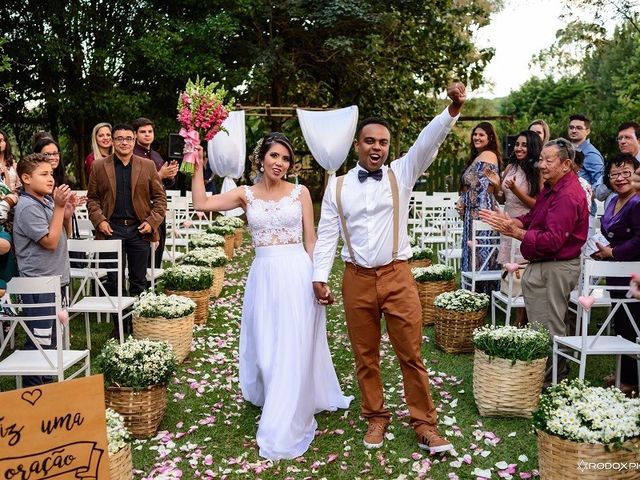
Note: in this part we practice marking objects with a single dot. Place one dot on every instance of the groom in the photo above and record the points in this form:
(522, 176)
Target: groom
(369, 206)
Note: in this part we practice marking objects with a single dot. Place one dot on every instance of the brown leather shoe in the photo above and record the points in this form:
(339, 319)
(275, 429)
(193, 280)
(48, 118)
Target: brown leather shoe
(374, 438)
(431, 440)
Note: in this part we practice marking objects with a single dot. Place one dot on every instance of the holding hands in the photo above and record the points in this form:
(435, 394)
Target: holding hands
(323, 293)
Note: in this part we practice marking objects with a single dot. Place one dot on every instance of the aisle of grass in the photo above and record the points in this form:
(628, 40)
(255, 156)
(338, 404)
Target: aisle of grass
(209, 430)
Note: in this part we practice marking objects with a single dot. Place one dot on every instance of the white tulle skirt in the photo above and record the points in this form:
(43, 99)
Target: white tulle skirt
(285, 363)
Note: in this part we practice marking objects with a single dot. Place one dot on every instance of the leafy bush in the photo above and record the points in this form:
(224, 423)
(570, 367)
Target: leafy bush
(223, 230)
(421, 253)
(206, 240)
(206, 257)
(136, 363)
(512, 343)
(462, 301)
(433, 273)
(576, 411)
(151, 305)
(235, 222)
(187, 278)
(117, 433)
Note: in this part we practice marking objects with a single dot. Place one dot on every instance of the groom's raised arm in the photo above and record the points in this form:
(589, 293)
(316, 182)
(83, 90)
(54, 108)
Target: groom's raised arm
(328, 232)
(425, 148)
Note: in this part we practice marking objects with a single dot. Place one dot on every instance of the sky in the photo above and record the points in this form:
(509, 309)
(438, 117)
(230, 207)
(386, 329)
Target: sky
(520, 30)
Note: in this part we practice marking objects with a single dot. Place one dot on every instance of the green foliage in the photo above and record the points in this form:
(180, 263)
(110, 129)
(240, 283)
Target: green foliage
(76, 63)
(601, 80)
(206, 257)
(154, 305)
(187, 278)
(433, 273)
(223, 230)
(422, 253)
(512, 343)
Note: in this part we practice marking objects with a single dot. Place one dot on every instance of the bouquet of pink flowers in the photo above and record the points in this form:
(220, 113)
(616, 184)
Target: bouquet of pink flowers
(201, 112)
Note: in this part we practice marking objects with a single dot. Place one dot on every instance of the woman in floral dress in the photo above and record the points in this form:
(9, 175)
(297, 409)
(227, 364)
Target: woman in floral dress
(476, 193)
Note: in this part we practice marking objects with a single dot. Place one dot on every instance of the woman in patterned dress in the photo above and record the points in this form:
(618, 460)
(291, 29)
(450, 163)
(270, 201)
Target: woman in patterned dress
(476, 193)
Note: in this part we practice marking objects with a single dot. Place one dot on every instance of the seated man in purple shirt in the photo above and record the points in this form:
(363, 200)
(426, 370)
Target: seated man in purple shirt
(552, 235)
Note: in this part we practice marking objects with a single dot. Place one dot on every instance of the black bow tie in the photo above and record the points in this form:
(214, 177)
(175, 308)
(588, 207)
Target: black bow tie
(364, 174)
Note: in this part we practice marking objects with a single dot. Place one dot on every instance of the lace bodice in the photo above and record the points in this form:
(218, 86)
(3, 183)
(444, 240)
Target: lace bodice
(274, 222)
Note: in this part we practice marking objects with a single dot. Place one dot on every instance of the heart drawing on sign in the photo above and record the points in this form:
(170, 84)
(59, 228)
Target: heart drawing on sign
(32, 396)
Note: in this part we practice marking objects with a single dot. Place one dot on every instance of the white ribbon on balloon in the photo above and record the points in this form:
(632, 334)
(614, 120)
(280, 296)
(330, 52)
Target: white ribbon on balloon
(329, 134)
(227, 152)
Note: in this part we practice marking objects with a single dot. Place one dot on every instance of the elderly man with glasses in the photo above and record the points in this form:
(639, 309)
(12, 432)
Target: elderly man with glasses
(552, 236)
(126, 201)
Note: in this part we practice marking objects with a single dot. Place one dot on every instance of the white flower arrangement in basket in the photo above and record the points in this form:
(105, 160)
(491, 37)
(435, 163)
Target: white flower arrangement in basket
(206, 240)
(206, 257)
(576, 411)
(512, 343)
(421, 253)
(433, 273)
(152, 305)
(136, 363)
(462, 301)
(235, 222)
(117, 433)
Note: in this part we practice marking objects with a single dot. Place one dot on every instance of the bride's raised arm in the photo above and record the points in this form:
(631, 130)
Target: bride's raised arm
(217, 203)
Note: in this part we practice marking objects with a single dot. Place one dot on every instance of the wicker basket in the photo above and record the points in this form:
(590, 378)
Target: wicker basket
(238, 236)
(425, 262)
(218, 281)
(142, 410)
(501, 389)
(120, 464)
(229, 241)
(454, 329)
(201, 297)
(567, 460)
(428, 291)
(177, 331)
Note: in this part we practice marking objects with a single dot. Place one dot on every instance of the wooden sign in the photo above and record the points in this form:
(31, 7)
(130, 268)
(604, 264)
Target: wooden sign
(55, 431)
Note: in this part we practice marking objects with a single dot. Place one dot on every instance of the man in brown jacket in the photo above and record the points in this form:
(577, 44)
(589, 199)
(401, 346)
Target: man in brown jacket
(126, 201)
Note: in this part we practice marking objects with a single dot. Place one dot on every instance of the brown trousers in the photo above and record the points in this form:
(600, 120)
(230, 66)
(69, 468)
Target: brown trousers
(368, 293)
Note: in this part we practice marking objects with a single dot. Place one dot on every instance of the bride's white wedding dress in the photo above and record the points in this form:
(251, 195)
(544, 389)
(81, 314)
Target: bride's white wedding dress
(285, 363)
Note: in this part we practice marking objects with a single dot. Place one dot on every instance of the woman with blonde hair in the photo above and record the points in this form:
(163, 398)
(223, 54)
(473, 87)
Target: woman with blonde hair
(541, 128)
(101, 145)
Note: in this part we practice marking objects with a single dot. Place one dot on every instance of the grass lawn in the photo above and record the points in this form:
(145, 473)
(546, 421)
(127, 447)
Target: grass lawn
(209, 430)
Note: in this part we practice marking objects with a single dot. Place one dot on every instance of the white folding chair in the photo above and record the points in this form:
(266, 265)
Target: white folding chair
(584, 344)
(506, 301)
(451, 254)
(177, 240)
(96, 267)
(39, 361)
(485, 239)
(430, 222)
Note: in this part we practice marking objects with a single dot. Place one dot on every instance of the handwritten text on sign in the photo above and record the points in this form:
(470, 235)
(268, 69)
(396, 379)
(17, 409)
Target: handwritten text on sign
(54, 431)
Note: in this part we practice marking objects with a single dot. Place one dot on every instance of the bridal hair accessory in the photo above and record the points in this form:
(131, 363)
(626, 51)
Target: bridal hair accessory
(256, 152)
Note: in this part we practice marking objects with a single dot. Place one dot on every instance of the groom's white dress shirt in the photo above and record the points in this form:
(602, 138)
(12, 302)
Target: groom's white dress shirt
(368, 206)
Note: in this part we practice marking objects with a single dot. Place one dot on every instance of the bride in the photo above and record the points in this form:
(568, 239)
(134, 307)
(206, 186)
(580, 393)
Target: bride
(285, 363)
